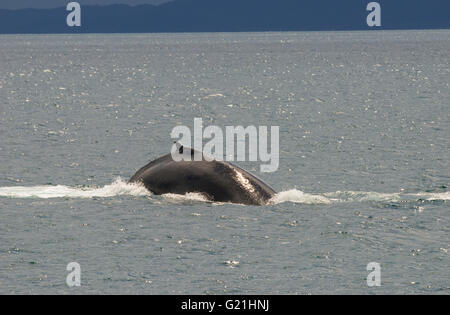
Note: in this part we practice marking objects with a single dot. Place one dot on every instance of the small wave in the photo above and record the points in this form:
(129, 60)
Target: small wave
(117, 188)
(215, 95)
(298, 196)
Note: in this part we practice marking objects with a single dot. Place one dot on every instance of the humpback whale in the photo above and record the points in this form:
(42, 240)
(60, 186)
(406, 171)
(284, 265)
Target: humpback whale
(218, 181)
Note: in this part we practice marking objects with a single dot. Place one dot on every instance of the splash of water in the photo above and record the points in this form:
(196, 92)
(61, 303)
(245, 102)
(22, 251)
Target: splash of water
(298, 196)
(117, 188)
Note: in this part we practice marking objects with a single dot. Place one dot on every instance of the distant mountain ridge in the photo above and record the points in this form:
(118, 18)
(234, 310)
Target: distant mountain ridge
(231, 16)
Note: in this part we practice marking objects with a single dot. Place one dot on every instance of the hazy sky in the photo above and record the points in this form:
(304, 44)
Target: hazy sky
(21, 4)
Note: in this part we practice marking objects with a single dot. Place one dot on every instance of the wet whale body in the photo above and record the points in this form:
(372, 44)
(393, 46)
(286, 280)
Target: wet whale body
(218, 181)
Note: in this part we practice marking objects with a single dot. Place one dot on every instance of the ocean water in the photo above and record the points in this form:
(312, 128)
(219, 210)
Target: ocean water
(364, 169)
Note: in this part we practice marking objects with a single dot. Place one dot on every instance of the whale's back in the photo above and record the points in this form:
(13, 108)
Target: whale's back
(219, 181)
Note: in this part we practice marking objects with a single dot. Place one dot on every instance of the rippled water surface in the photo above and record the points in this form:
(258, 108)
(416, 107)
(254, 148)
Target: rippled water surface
(364, 162)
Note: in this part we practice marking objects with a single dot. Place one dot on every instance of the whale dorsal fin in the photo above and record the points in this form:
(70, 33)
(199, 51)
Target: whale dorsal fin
(180, 147)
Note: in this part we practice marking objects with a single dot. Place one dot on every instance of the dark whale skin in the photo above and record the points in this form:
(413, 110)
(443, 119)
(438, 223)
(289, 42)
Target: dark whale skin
(219, 181)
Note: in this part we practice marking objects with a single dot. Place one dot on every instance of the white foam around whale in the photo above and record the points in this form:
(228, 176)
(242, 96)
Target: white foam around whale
(436, 196)
(119, 187)
(189, 197)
